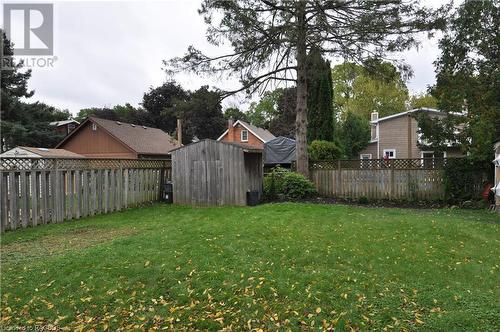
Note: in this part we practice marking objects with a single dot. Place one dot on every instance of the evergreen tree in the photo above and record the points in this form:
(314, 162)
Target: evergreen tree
(24, 124)
(283, 123)
(320, 95)
(270, 41)
(354, 134)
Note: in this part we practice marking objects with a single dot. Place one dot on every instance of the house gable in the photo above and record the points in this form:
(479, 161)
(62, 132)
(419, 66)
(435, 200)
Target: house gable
(242, 132)
(93, 141)
(236, 136)
(399, 132)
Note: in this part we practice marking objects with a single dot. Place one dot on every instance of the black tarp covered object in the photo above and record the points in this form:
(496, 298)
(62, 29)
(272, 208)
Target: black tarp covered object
(280, 150)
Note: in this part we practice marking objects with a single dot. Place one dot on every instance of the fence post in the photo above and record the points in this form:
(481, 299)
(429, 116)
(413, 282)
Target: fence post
(162, 178)
(4, 202)
(393, 184)
(339, 179)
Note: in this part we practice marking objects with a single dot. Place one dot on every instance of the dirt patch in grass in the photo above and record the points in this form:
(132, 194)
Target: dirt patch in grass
(54, 244)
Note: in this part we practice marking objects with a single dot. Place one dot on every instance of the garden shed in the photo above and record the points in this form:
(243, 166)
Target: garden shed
(208, 173)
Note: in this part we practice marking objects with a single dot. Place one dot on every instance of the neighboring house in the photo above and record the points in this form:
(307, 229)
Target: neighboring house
(99, 138)
(31, 152)
(66, 126)
(396, 136)
(245, 133)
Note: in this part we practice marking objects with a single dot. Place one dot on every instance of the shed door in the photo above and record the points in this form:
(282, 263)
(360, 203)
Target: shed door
(199, 183)
(206, 182)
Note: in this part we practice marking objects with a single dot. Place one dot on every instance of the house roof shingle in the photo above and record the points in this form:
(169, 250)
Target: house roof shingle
(141, 139)
(416, 110)
(261, 132)
(61, 123)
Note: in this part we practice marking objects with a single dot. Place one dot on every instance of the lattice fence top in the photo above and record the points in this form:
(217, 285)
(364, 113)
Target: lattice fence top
(10, 164)
(416, 163)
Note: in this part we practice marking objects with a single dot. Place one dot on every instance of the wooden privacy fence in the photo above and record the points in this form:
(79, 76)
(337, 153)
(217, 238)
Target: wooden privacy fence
(396, 179)
(41, 191)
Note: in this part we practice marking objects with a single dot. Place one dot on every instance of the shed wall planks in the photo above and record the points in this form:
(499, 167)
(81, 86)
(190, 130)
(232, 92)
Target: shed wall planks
(210, 173)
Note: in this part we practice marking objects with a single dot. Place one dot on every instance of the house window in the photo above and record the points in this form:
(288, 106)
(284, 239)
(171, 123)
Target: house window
(390, 153)
(374, 132)
(244, 135)
(94, 127)
(365, 156)
(71, 126)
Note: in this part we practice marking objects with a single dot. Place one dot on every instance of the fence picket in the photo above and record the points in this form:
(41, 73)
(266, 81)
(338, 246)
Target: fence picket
(4, 214)
(13, 200)
(78, 194)
(35, 185)
(23, 196)
(93, 193)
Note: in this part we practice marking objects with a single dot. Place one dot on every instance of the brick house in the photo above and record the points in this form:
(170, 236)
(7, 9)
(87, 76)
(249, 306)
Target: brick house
(100, 138)
(244, 133)
(65, 127)
(396, 136)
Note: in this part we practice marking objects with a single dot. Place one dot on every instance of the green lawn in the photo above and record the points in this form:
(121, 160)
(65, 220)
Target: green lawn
(293, 266)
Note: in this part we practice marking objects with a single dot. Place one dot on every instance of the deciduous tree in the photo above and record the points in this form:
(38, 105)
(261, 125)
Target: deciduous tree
(423, 100)
(201, 115)
(468, 77)
(235, 114)
(373, 86)
(160, 103)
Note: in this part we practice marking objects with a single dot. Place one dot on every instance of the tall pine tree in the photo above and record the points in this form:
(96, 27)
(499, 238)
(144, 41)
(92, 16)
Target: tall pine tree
(320, 96)
(270, 41)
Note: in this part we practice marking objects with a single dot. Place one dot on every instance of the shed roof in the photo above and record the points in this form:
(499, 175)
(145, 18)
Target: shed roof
(140, 139)
(51, 153)
(246, 147)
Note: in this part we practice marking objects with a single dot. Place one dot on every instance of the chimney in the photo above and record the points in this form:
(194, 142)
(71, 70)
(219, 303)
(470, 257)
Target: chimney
(230, 129)
(179, 131)
(374, 116)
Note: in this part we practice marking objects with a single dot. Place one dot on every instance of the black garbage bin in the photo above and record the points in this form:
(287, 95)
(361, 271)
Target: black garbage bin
(252, 197)
(168, 193)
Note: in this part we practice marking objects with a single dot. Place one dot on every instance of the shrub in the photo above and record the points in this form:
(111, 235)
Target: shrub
(363, 200)
(321, 150)
(283, 184)
(464, 179)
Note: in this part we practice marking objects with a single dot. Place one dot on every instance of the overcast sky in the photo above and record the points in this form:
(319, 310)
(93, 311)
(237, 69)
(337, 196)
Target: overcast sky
(110, 53)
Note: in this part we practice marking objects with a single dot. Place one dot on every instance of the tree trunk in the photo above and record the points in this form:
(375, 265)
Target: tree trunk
(301, 119)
